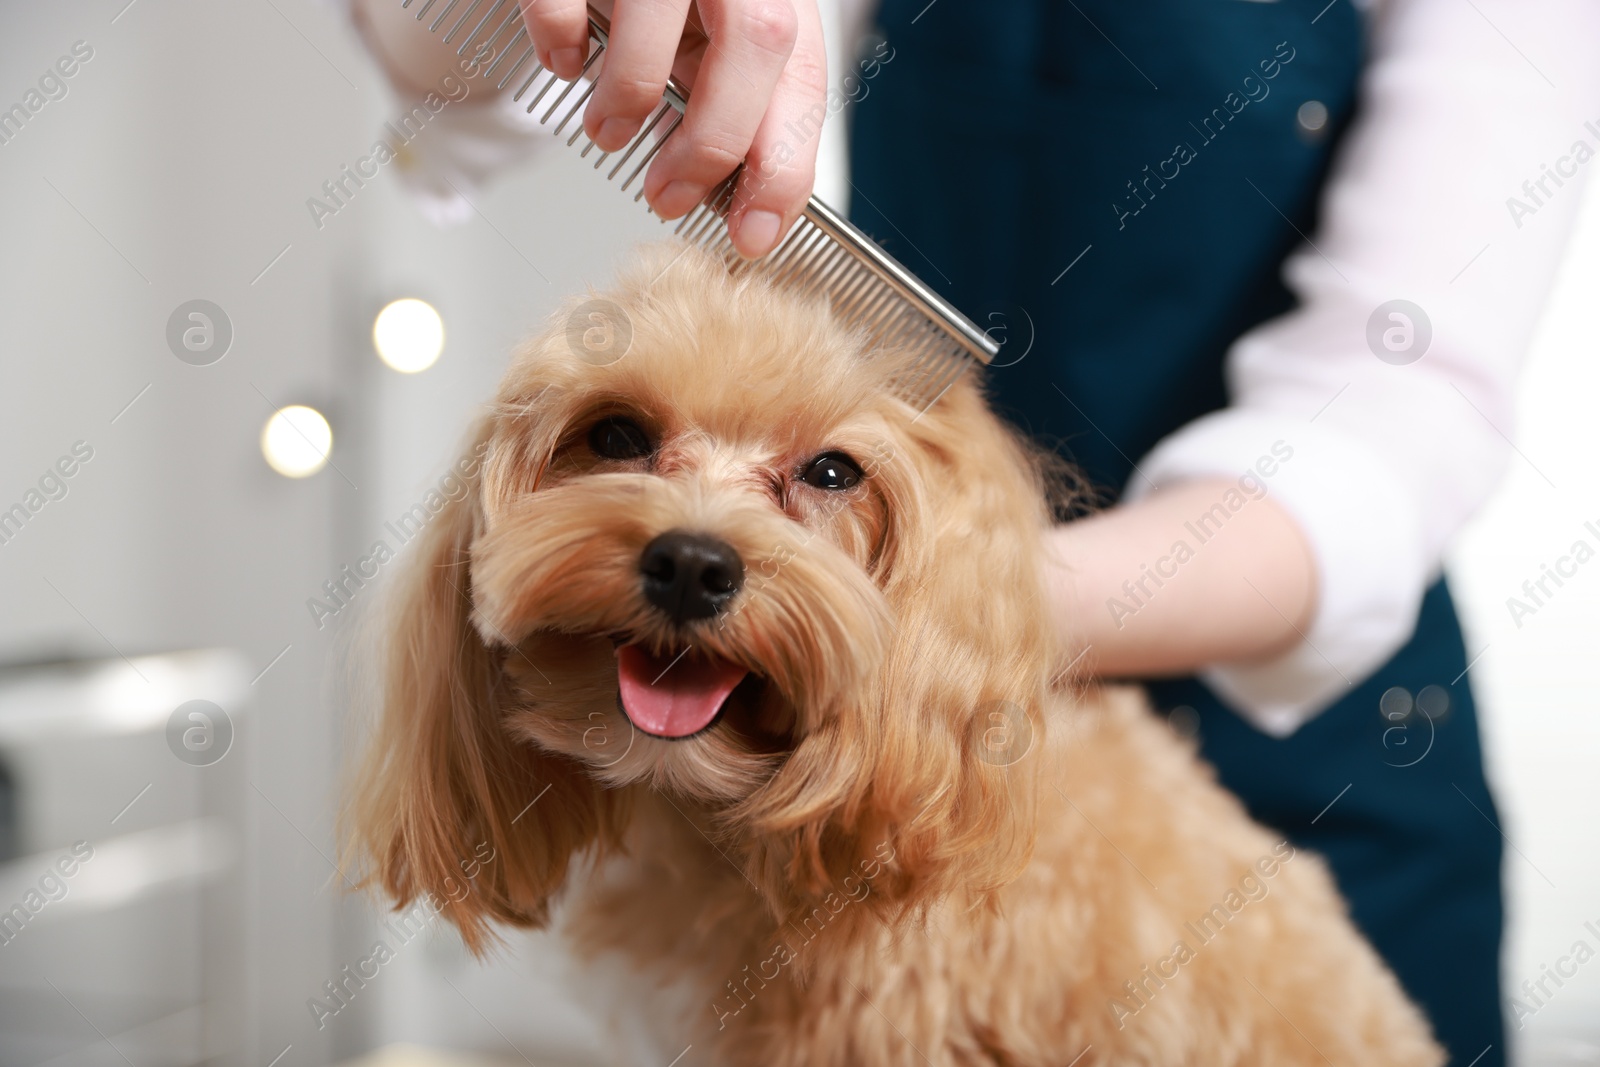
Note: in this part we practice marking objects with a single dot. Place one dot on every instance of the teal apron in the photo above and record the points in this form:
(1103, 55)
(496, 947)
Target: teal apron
(1110, 184)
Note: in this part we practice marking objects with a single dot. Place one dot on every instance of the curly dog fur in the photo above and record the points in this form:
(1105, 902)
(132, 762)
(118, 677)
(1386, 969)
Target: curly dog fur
(906, 838)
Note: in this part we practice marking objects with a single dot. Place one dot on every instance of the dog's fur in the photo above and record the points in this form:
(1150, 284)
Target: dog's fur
(907, 840)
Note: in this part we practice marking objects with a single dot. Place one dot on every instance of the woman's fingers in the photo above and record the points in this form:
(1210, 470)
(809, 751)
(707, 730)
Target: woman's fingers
(644, 41)
(781, 166)
(560, 33)
(757, 72)
(750, 41)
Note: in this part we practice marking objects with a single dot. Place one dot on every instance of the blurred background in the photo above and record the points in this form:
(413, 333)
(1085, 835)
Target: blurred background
(171, 725)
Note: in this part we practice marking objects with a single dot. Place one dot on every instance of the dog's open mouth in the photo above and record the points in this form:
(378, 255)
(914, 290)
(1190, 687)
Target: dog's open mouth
(674, 696)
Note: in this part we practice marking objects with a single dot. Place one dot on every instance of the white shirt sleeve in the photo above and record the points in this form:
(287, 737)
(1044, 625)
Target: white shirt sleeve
(1454, 190)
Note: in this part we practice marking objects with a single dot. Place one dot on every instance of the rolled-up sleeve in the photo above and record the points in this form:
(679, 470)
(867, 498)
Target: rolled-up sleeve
(1453, 193)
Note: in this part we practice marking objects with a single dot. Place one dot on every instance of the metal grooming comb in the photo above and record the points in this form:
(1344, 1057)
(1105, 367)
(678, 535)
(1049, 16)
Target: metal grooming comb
(822, 253)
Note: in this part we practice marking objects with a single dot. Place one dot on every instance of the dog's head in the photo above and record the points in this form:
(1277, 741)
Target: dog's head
(709, 551)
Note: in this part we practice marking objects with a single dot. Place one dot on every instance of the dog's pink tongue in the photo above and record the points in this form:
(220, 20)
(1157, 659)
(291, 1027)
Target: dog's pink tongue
(673, 699)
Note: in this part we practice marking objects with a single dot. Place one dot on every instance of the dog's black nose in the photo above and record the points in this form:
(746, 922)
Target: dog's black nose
(690, 576)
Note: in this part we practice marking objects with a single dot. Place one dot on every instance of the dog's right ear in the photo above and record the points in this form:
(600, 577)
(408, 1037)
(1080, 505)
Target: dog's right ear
(448, 808)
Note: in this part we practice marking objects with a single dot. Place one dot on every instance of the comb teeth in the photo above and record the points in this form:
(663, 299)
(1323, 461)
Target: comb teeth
(821, 256)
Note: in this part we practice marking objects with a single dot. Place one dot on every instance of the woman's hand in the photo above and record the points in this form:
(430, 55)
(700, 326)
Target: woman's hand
(759, 78)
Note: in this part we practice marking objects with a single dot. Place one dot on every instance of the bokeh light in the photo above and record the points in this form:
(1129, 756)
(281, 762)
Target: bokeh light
(296, 441)
(409, 335)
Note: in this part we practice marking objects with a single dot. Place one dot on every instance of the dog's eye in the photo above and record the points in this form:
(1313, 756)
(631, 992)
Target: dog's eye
(832, 470)
(619, 438)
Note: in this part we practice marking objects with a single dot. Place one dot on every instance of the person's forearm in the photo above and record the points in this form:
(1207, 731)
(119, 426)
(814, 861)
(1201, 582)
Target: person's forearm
(1189, 576)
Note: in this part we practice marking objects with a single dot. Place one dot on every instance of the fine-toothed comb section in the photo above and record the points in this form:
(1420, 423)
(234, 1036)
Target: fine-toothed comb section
(822, 254)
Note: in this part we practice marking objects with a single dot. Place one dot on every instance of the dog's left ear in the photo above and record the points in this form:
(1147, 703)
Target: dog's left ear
(927, 787)
(450, 808)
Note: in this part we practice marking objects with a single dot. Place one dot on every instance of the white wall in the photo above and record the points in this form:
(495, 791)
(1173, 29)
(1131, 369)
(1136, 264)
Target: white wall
(1539, 682)
(182, 155)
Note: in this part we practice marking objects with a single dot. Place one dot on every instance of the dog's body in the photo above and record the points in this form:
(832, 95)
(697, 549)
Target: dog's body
(1142, 930)
(742, 660)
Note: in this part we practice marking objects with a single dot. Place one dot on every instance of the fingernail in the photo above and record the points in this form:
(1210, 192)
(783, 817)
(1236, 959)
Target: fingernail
(678, 198)
(758, 232)
(615, 132)
(567, 62)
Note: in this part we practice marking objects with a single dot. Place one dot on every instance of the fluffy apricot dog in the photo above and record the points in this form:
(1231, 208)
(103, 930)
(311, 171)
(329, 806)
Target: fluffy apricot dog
(738, 664)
